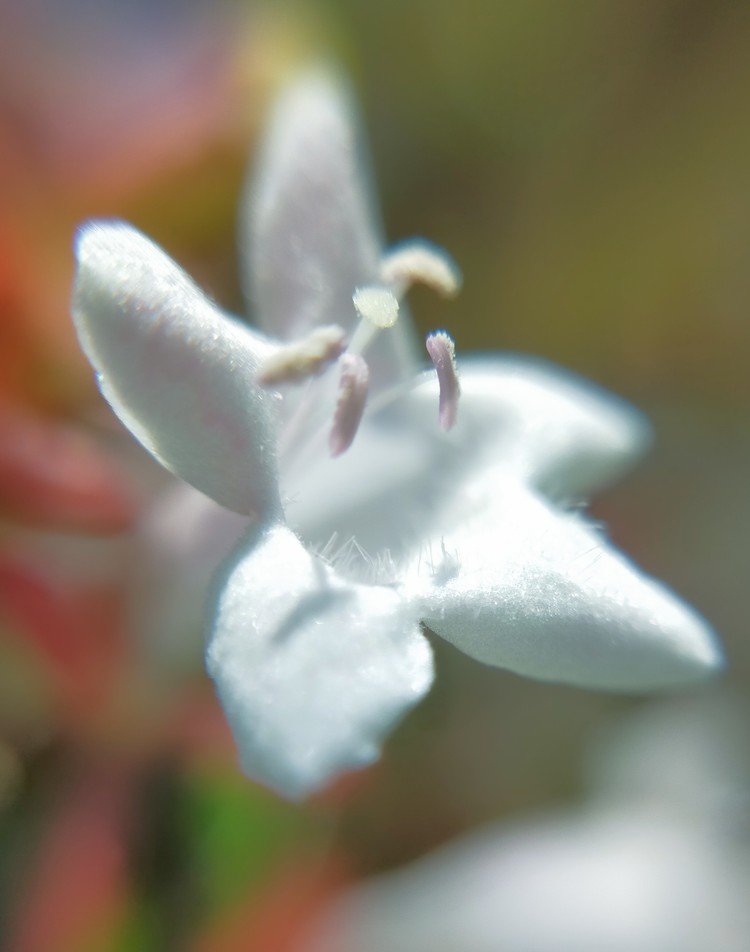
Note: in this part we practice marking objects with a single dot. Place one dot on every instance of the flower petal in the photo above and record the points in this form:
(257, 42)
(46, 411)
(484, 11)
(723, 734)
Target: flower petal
(179, 374)
(538, 591)
(554, 430)
(309, 230)
(536, 422)
(312, 672)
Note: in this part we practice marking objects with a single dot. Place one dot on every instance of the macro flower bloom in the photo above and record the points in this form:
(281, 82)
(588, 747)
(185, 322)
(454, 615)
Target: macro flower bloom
(376, 500)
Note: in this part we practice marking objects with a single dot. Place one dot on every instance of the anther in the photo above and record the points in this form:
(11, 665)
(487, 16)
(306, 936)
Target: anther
(376, 305)
(419, 261)
(303, 358)
(355, 375)
(442, 351)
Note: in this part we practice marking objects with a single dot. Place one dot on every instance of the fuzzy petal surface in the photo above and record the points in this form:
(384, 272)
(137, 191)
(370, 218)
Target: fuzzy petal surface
(312, 672)
(538, 591)
(309, 234)
(178, 373)
(512, 576)
(405, 481)
(551, 429)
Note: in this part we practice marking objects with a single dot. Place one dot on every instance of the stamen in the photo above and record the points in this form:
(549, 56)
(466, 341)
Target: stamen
(418, 260)
(376, 305)
(355, 375)
(303, 358)
(442, 352)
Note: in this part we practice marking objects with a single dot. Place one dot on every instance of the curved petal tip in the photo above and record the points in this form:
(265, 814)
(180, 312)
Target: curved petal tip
(312, 671)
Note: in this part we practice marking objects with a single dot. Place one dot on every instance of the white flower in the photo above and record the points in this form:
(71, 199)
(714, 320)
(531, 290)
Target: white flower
(655, 861)
(315, 642)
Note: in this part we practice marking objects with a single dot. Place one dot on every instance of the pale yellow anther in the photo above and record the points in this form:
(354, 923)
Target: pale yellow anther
(376, 305)
(303, 358)
(419, 261)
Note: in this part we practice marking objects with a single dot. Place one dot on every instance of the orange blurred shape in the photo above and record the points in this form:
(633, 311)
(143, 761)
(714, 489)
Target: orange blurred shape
(198, 729)
(53, 476)
(75, 890)
(346, 787)
(17, 347)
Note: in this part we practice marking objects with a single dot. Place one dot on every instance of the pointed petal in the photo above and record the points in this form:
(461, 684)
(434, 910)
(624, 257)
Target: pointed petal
(312, 671)
(515, 582)
(179, 374)
(311, 234)
(309, 231)
(537, 591)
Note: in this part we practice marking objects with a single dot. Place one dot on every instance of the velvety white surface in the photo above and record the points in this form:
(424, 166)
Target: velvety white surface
(515, 578)
(544, 427)
(308, 229)
(537, 591)
(483, 539)
(312, 671)
(178, 373)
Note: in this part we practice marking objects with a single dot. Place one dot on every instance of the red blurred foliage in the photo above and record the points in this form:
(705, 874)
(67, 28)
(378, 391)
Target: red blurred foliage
(76, 886)
(99, 107)
(16, 340)
(54, 476)
(196, 727)
(77, 636)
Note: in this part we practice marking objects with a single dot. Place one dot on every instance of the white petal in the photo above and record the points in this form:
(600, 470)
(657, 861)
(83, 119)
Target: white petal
(312, 672)
(179, 374)
(309, 232)
(379, 492)
(516, 583)
(528, 588)
(555, 431)
(404, 479)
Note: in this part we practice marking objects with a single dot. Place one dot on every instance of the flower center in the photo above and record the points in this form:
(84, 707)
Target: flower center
(335, 409)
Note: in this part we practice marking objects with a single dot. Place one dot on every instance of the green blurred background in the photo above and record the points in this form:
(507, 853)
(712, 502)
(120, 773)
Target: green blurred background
(587, 162)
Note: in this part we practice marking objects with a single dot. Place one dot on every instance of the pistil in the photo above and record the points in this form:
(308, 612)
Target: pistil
(378, 310)
(355, 377)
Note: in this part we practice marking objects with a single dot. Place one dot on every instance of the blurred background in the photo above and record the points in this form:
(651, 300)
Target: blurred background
(588, 165)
